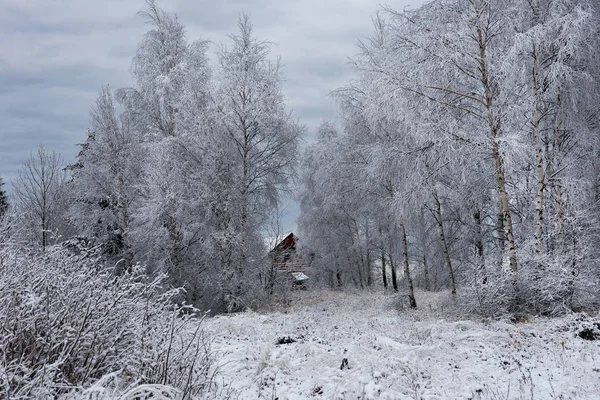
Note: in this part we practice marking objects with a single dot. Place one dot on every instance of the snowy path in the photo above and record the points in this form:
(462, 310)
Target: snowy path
(400, 354)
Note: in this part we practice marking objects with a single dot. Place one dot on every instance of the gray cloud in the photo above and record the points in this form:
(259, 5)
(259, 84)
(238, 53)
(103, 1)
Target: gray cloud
(55, 55)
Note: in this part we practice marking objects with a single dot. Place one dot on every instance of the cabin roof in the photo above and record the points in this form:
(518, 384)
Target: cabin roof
(288, 243)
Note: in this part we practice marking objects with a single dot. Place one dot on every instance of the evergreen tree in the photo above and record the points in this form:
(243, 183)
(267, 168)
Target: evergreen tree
(103, 179)
(3, 200)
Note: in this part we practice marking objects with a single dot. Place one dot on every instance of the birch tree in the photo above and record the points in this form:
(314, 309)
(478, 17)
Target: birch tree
(164, 64)
(262, 133)
(553, 48)
(463, 45)
(482, 113)
(38, 191)
(169, 114)
(331, 219)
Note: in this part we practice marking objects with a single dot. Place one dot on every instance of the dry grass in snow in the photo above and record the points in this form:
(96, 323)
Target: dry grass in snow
(395, 353)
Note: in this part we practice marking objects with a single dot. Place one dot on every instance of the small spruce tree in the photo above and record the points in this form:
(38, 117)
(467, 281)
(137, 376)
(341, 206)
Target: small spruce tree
(3, 200)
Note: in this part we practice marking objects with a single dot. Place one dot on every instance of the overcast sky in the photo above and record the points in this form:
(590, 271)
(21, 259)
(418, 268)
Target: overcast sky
(56, 54)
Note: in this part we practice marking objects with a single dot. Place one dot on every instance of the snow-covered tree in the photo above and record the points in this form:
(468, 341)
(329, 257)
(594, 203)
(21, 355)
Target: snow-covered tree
(261, 133)
(162, 69)
(3, 199)
(104, 181)
(168, 115)
(480, 117)
(39, 195)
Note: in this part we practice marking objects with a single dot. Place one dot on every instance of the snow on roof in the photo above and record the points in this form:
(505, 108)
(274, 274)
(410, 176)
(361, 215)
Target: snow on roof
(299, 276)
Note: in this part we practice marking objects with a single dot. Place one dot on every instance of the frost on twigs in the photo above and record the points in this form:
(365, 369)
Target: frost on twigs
(548, 285)
(69, 321)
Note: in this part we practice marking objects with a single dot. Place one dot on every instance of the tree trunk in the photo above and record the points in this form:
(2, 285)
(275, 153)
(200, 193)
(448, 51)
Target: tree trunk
(394, 275)
(244, 210)
(426, 272)
(124, 224)
(494, 133)
(479, 245)
(440, 222)
(383, 271)
(539, 200)
(512, 248)
(424, 247)
(500, 228)
(44, 231)
(560, 215)
(571, 281)
(359, 270)
(368, 257)
(558, 196)
(44, 194)
(176, 236)
(409, 282)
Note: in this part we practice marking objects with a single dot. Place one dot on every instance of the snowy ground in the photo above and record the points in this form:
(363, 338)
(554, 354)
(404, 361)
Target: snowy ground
(400, 354)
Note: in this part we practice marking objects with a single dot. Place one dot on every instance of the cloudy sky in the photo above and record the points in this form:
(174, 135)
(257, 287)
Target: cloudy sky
(56, 54)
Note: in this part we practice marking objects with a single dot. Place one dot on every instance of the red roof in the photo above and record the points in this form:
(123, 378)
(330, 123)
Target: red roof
(288, 243)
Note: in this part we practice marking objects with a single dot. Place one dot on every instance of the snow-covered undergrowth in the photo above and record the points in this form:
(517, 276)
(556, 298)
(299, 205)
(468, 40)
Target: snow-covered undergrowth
(395, 353)
(71, 328)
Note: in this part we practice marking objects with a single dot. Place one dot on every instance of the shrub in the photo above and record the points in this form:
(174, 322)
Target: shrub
(67, 320)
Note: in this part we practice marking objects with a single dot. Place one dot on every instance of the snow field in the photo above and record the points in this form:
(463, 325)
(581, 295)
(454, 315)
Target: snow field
(396, 353)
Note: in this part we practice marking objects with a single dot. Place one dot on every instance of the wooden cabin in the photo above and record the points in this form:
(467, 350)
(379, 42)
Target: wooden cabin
(286, 258)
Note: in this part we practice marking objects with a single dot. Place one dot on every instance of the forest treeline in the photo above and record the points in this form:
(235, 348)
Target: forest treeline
(467, 157)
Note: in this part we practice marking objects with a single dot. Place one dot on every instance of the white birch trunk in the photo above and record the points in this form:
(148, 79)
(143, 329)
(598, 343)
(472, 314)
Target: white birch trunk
(494, 132)
(409, 281)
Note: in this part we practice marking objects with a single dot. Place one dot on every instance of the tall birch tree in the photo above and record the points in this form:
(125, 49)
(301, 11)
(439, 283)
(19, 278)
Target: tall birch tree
(262, 133)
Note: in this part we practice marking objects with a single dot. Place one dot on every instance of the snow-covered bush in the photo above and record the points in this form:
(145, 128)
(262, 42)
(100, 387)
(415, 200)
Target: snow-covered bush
(487, 291)
(67, 320)
(545, 284)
